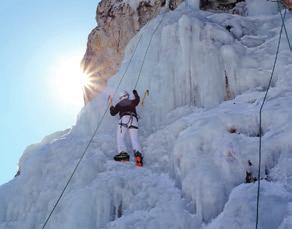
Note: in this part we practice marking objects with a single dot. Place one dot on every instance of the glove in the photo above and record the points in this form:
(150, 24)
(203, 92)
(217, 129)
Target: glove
(135, 92)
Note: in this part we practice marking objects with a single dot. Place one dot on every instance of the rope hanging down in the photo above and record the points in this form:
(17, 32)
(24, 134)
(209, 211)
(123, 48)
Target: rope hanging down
(91, 139)
(101, 120)
(144, 58)
(283, 21)
(260, 118)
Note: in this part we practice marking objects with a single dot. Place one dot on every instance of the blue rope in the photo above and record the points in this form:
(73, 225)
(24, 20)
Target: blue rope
(147, 49)
(101, 120)
(89, 142)
(260, 121)
(283, 21)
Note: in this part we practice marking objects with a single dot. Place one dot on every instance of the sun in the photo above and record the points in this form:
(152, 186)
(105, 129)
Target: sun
(69, 81)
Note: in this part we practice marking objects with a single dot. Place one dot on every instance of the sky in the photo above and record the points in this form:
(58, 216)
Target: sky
(38, 41)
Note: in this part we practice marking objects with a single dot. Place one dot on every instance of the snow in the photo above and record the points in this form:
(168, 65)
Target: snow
(195, 4)
(261, 7)
(242, 202)
(199, 127)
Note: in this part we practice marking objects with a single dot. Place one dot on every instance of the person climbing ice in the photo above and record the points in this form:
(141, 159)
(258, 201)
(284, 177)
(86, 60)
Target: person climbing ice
(128, 123)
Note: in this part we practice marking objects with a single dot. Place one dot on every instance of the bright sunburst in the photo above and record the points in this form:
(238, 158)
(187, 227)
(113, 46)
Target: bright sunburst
(69, 81)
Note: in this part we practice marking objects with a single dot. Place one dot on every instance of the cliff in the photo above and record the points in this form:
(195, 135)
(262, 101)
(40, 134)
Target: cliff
(207, 74)
(117, 22)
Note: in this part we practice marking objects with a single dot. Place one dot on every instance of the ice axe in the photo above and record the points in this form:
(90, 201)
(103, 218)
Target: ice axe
(110, 100)
(144, 97)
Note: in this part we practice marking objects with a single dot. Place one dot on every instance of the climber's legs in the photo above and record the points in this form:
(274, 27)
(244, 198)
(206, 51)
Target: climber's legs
(136, 146)
(121, 133)
(133, 131)
(135, 140)
(128, 124)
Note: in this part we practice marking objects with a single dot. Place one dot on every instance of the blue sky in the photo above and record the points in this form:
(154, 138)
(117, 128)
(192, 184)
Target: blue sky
(34, 36)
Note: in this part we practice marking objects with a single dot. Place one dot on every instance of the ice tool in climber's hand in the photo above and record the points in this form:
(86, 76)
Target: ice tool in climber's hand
(144, 97)
(110, 100)
(128, 124)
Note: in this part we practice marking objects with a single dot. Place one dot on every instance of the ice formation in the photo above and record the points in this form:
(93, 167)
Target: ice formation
(207, 75)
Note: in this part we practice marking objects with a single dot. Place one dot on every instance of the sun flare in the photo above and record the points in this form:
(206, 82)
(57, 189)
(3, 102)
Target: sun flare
(69, 81)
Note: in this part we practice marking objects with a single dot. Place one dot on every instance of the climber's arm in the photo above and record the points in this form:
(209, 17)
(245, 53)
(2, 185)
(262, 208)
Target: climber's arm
(114, 110)
(136, 101)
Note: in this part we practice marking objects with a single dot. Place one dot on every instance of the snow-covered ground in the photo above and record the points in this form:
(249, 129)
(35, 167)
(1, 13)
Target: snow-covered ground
(207, 74)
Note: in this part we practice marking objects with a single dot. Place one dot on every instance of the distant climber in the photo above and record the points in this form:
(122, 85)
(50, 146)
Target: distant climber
(128, 123)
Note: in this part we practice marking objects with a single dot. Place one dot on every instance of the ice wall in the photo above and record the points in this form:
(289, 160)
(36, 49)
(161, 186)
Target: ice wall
(261, 7)
(195, 145)
(195, 58)
(184, 64)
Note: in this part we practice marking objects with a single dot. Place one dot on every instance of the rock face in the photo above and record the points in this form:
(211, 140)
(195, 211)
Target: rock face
(118, 21)
(218, 4)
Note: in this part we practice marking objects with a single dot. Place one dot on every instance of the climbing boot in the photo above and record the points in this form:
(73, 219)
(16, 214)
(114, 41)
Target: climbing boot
(122, 156)
(138, 159)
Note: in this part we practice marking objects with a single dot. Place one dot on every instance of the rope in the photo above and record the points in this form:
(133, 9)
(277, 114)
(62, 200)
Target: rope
(91, 139)
(260, 121)
(283, 21)
(147, 49)
(101, 120)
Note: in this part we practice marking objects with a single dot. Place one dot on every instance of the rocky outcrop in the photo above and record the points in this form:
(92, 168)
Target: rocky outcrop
(223, 5)
(118, 21)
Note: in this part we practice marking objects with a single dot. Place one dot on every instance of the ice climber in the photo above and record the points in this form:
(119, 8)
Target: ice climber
(128, 123)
